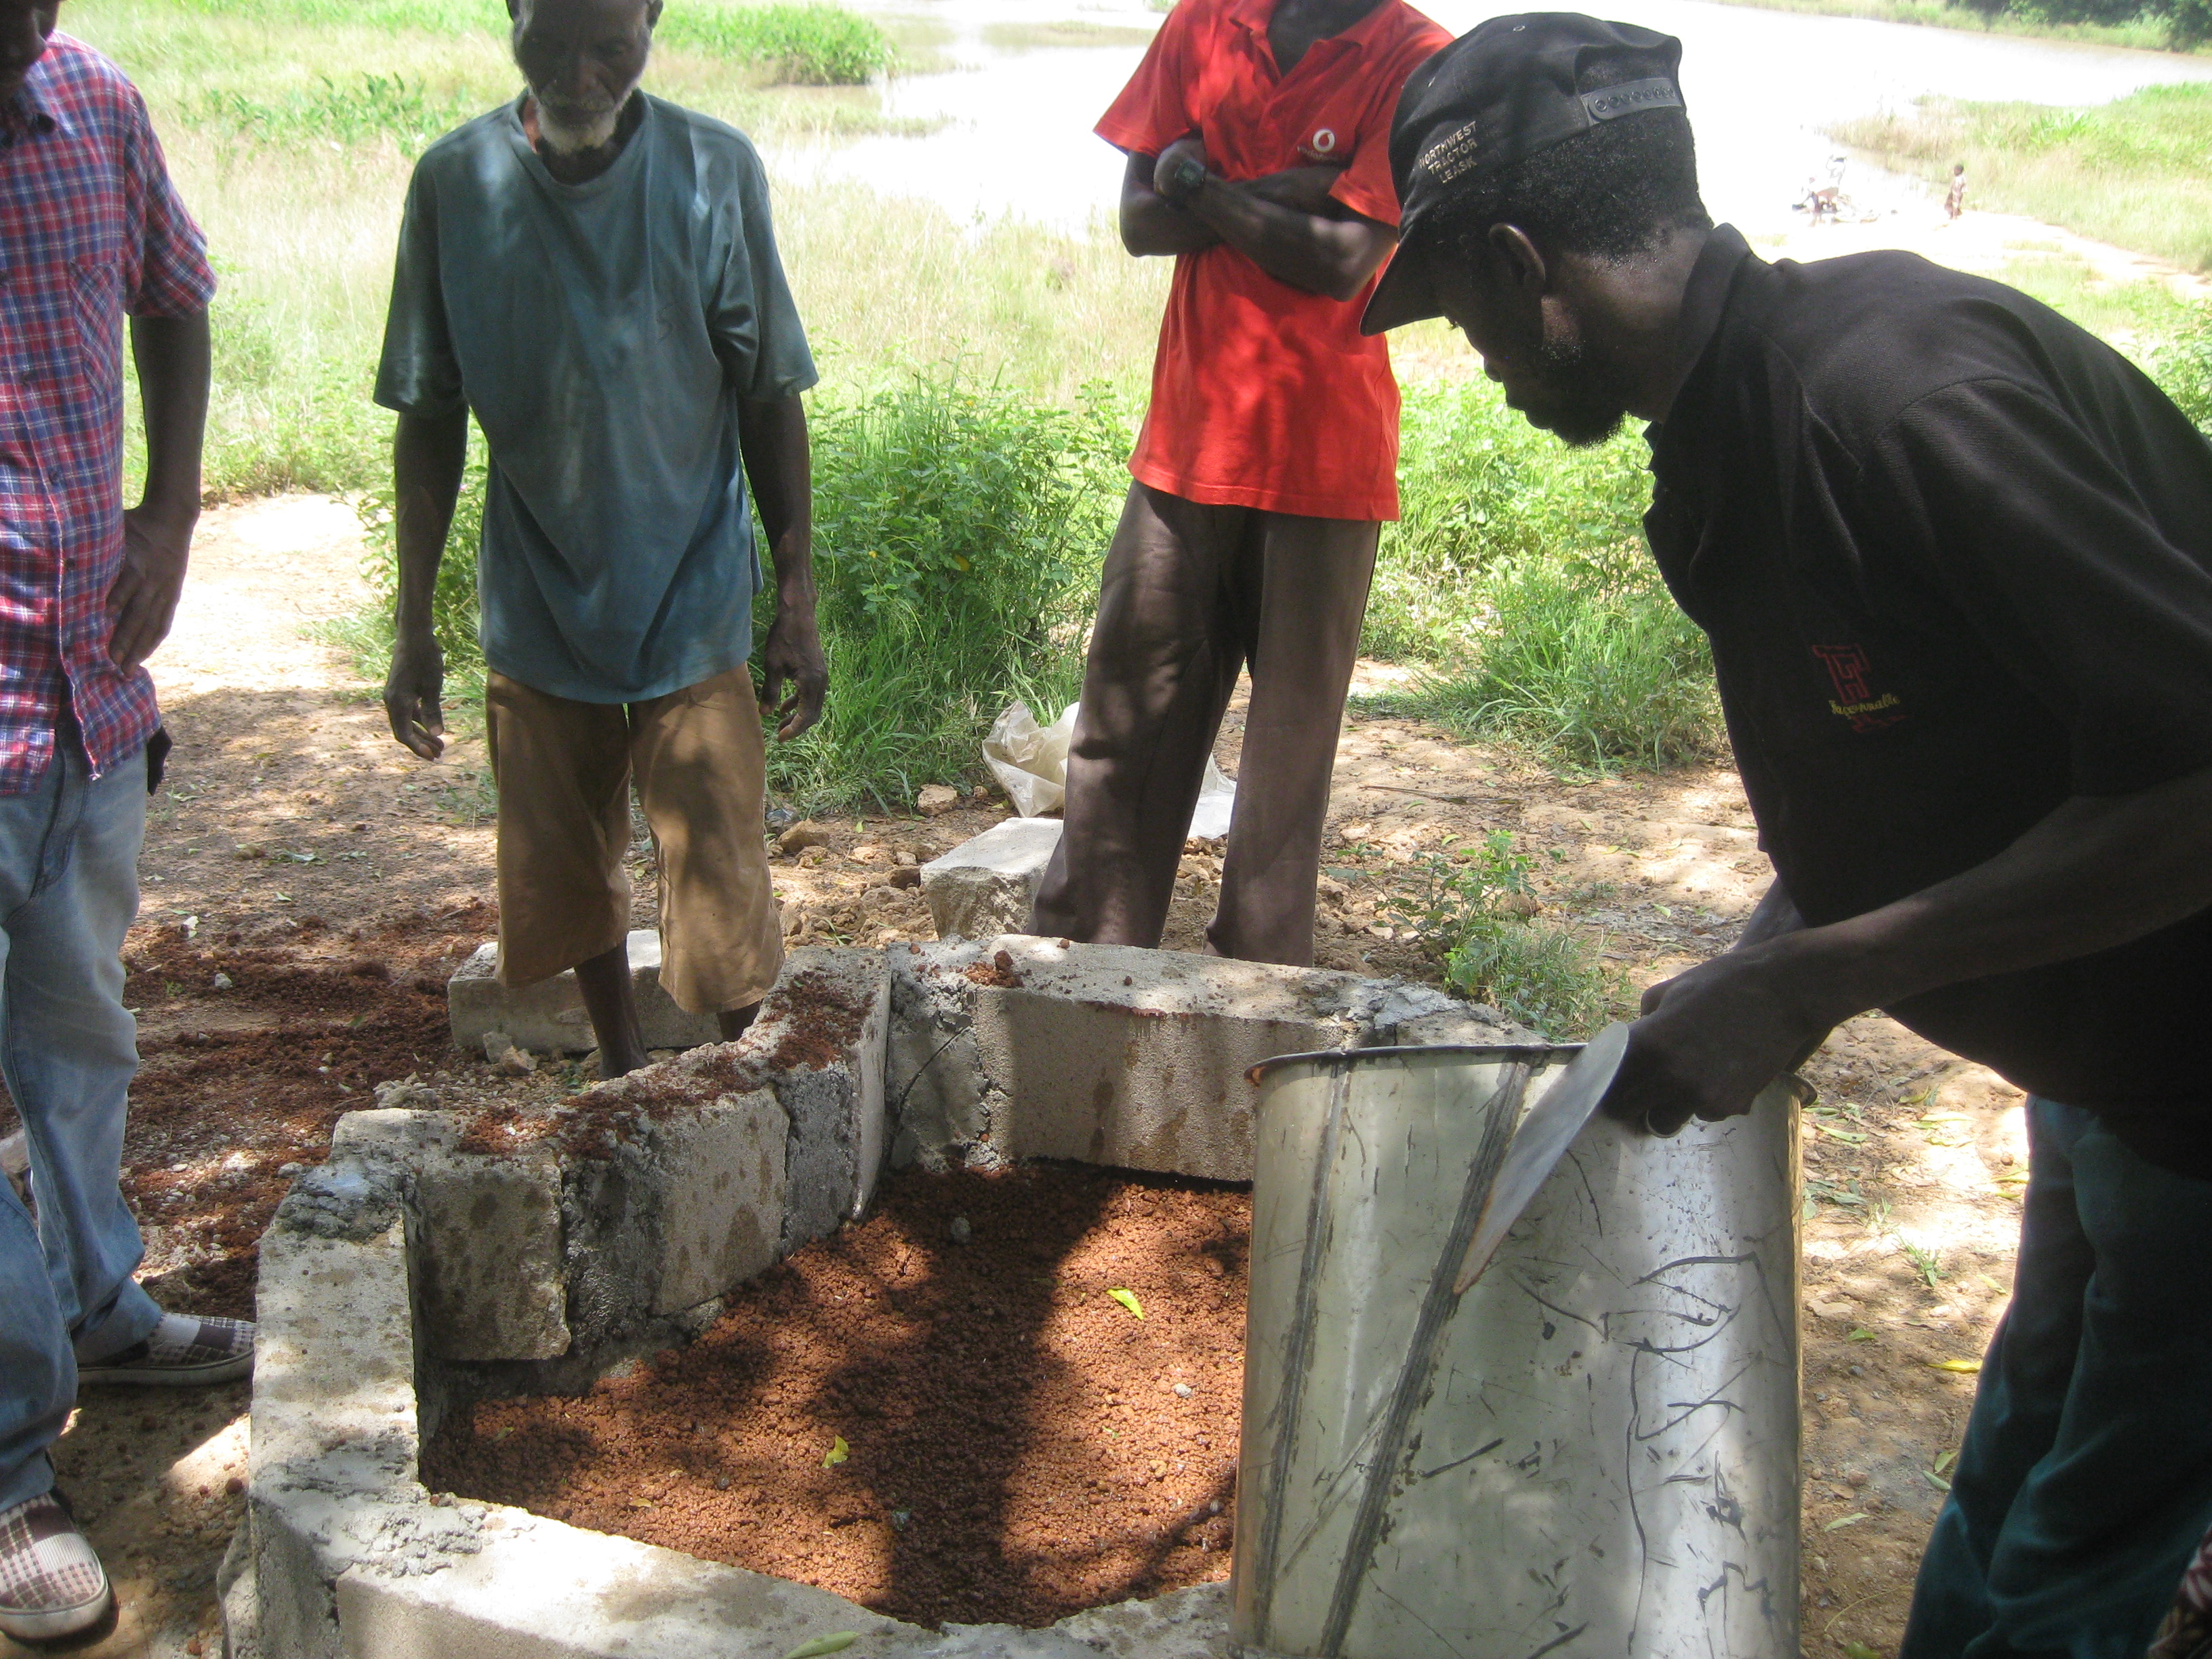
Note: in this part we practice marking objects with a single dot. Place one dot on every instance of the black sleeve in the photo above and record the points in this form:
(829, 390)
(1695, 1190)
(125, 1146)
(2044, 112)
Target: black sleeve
(2069, 577)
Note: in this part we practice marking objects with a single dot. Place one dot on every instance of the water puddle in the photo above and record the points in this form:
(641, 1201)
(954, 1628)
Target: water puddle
(1015, 135)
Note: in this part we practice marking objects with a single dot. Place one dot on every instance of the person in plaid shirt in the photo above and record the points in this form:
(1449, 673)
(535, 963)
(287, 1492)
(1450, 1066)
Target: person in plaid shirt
(90, 231)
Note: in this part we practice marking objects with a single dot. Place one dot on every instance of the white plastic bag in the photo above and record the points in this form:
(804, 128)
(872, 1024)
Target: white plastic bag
(1217, 800)
(1030, 761)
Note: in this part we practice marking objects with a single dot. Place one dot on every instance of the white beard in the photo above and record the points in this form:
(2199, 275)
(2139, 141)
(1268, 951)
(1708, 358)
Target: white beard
(563, 138)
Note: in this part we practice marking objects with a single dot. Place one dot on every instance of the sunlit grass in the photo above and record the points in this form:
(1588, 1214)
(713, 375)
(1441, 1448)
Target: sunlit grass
(2142, 32)
(2132, 171)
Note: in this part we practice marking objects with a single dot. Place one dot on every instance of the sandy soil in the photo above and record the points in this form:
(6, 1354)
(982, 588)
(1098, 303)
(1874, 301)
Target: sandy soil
(1017, 1444)
(309, 886)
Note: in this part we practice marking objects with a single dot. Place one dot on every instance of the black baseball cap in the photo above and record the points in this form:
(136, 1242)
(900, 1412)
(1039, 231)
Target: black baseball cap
(1495, 96)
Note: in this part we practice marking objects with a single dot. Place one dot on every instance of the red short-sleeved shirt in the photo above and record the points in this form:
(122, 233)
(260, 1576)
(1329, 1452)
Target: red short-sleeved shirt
(1264, 395)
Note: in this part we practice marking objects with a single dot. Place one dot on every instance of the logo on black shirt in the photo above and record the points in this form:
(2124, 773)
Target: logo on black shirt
(1851, 671)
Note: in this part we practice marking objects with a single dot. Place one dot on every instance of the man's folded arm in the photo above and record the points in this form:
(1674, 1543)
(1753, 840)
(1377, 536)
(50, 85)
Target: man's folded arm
(1287, 223)
(1151, 224)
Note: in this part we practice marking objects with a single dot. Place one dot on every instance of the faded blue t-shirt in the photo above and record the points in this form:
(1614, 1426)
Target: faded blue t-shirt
(602, 333)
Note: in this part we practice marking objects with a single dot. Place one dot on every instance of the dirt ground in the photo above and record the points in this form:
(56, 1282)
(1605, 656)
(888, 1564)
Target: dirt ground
(309, 886)
(1017, 1444)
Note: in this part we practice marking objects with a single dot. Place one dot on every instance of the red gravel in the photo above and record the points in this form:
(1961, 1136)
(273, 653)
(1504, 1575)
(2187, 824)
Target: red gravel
(1017, 1448)
(236, 1083)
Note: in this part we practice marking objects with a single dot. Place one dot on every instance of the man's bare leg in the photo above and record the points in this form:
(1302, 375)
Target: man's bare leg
(608, 999)
(735, 1022)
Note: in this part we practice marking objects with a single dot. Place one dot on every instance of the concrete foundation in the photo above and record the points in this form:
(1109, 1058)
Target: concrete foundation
(438, 1258)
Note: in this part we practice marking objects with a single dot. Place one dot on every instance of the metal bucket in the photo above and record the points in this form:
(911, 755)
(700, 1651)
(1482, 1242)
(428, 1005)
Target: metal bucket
(1593, 1452)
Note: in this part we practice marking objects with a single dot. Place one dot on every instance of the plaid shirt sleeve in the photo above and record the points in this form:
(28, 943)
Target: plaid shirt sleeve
(174, 277)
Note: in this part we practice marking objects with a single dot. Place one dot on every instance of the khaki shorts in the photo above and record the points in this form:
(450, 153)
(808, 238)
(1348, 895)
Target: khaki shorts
(563, 770)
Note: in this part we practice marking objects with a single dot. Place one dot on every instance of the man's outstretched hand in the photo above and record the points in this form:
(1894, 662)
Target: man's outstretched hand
(1710, 1040)
(792, 654)
(414, 693)
(144, 600)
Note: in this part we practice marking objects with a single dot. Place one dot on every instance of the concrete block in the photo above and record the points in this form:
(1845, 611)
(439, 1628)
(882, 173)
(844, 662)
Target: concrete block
(404, 1133)
(985, 887)
(1185, 1624)
(334, 1429)
(491, 1277)
(996, 1641)
(1112, 1054)
(1116, 1056)
(820, 1043)
(721, 1212)
(235, 1597)
(492, 1282)
(935, 1079)
(535, 1589)
(548, 1017)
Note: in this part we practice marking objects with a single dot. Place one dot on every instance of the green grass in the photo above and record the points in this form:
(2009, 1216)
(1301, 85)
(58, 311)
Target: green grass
(1470, 911)
(806, 46)
(2136, 171)
(1479, 486)
(1582, 657)
(297, 169)
(1519, 574)
(2182, 362)
(957, 536)
(2165, 28)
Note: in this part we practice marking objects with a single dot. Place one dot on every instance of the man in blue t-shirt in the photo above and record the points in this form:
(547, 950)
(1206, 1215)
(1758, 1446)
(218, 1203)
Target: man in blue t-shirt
(591, 272)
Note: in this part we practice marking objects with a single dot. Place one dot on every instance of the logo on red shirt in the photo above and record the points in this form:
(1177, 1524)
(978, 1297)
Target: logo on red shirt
(1322, 143)
(1850, 671)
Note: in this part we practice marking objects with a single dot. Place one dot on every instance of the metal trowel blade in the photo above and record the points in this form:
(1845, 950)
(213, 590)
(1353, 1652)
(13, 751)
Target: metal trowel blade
(1540, 1142)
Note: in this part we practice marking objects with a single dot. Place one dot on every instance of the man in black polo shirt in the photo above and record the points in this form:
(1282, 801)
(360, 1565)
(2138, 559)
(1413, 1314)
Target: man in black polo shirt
(1955, 558)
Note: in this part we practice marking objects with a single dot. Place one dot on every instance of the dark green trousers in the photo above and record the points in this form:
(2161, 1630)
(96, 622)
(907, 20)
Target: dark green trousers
(2085, 1482)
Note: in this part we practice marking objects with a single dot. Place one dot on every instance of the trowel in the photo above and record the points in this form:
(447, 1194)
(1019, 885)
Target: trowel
(1540, 1142)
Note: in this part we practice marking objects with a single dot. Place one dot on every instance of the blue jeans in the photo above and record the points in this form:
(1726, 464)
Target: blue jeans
(2085, 1481)
(68, 889)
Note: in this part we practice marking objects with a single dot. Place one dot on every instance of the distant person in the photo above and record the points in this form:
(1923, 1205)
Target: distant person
(1257, 135)
(1954, 199)
(592, 272)
(91, 233)
(1954, 555)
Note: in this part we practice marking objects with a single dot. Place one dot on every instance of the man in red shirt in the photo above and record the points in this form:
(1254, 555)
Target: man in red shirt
(1257, 138)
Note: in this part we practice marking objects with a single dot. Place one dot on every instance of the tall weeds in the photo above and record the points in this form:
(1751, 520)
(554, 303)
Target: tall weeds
(1518, 576)
(957, 532)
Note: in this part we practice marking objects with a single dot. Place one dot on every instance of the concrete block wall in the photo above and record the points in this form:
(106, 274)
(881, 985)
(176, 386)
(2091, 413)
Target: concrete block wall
(1016, 1046)
(416, 1269)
